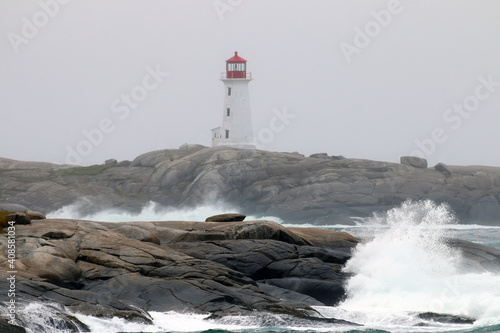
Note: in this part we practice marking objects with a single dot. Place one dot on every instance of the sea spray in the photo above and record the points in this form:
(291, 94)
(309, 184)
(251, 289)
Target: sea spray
(39, 317)
(409, 268)
(153, 212)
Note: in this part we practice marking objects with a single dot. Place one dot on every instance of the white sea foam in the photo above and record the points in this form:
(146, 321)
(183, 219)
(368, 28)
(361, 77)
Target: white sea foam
(44, 317)
(47, 318)
(155, 212)
(163, 322)
(189, 322)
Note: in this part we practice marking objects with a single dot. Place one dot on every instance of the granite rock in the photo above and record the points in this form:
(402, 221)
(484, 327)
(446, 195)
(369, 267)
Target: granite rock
(114, 269)
(414, 161)
(288, 185)
(228, 217)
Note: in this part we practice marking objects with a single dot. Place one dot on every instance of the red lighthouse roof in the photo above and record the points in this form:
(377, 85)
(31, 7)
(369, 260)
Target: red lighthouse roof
(236, 68)
(236, 58)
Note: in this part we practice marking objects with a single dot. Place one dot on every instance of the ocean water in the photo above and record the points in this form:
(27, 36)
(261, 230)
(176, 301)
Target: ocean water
(403, 267)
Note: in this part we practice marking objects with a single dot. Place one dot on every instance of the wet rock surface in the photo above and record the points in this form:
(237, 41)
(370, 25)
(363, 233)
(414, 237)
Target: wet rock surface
(220, 268)
(103, 269)
(445, 318)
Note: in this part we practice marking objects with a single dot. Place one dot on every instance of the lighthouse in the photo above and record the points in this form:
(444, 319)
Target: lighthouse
(236, 129)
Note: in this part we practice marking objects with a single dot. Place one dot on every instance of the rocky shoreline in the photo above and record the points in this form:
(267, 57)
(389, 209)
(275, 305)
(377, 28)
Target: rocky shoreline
(219, 268)
(127, 269)
(318, 189)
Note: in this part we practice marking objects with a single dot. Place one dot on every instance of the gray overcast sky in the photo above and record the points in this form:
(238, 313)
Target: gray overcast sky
(365, 79)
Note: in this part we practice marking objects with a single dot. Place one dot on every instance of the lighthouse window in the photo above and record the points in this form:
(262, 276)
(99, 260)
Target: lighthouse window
(229, 91)
(227, 134)
(236, 67)
(228, 112)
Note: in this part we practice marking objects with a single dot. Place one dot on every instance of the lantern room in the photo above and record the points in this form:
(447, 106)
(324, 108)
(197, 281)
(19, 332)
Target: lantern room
(236, 67)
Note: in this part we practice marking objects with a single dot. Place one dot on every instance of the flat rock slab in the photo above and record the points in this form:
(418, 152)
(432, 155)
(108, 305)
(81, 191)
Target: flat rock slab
(228, 217)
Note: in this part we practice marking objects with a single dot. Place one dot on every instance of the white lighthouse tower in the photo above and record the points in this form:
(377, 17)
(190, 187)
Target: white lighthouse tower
(236, 129)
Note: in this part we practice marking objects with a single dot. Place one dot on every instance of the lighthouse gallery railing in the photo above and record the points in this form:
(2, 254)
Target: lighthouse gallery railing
(223, 76)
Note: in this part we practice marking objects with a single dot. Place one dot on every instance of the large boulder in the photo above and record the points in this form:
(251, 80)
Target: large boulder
(110, 162)
(8, 213)
(443, 168)
(19, 218)
(320, 155)
(228, 217)
(414, 161)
